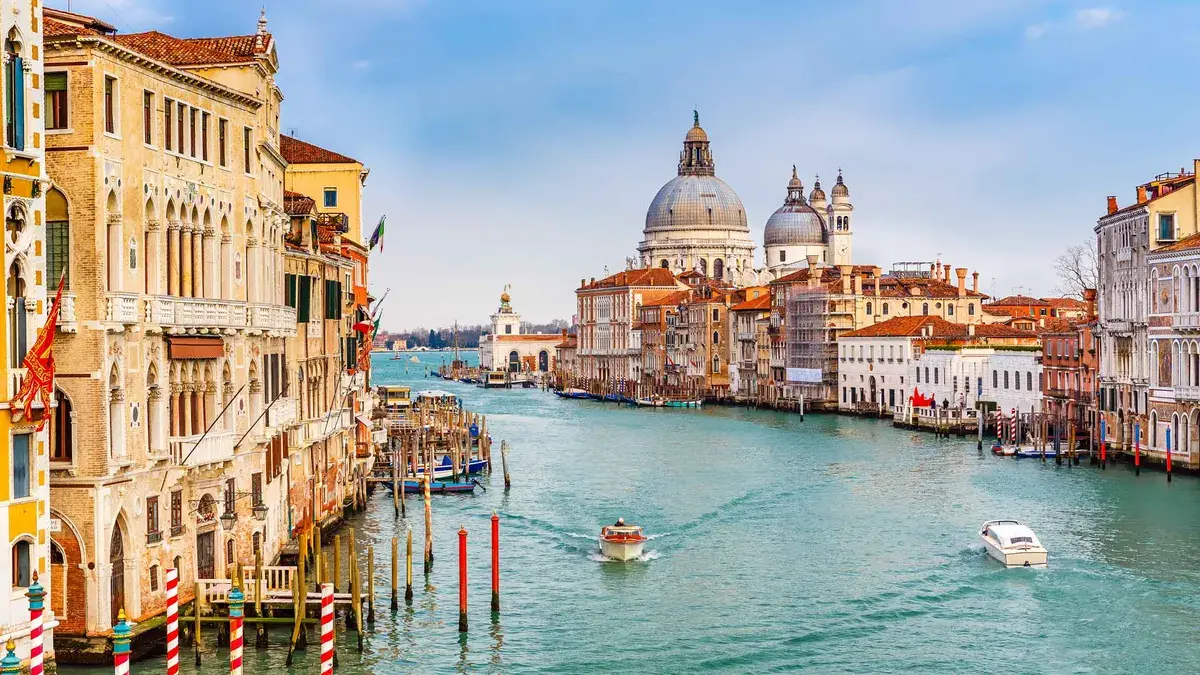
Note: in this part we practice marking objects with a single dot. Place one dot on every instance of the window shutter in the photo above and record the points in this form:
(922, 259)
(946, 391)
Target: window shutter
(19, 101)
(304, 303)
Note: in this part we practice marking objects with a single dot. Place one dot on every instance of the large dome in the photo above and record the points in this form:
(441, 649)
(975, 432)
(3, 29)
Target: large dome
(796, 222)
(691, 202)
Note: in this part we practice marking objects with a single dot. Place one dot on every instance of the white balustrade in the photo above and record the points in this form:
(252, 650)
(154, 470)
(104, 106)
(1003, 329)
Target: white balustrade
(123, 308)
(1186, 320)
(282, 412)
(67, 322)
(200, 449)
(16, 377)
(217, 314)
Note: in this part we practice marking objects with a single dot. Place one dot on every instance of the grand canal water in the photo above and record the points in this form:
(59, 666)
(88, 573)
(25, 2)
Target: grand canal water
(836, 544)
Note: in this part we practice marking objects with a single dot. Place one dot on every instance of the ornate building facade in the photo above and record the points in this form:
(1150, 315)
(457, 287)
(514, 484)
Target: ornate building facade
(507, 347)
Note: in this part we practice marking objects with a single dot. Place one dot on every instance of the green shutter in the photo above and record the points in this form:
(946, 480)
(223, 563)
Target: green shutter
(56, 81)
(305, 299)
(289, 290)
(337, 300)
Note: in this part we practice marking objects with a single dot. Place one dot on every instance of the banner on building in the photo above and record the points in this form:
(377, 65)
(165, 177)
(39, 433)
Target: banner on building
(807, 375)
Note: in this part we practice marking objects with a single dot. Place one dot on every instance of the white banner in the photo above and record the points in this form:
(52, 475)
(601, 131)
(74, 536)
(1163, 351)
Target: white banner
(811, 375)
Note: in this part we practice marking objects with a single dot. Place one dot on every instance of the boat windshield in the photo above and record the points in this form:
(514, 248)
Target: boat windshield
(1021, 540)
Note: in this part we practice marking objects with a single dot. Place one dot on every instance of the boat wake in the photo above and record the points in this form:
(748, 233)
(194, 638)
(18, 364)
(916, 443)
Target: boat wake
(646, 556)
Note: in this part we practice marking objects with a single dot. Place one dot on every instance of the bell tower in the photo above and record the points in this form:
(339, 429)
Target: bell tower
(840, 233)
(505, 321)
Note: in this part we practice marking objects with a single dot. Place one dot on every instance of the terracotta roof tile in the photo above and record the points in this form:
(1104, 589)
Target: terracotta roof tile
(761, 302)
(650, 276)
(1018, 301)
(193, 51)
(669, 300)
(911, 326)
(296, 151)
(56, 22)
(1187, 243)
(296, 204)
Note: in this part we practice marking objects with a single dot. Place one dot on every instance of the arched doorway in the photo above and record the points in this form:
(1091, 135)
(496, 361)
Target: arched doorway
(514, 362)
(872, 384)
(66, 572)
(718, 269)
(544, 361)
(116, 559)
(206, 560)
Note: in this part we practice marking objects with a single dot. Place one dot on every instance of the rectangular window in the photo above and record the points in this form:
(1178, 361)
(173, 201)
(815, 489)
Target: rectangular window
(152, 514)
(330, 198)
(192, 132)
(110, 104)
(304, 299)
(56, 100)
(289, 290)
(256, 493)
(176, 511)
(222, 141)
(57, 243)
(1166, 226)
(181, 126)
(18, 321)
(246, 149)
(22, 462)
(168, 129)
(230, 496)
(147, 117)
(204, 136)
(14, 97)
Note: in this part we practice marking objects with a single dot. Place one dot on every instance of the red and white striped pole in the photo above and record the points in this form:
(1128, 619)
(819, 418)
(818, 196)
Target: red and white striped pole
(172, 621)
(326, 629)
(37, 596)
(122, 635)
(237, 604)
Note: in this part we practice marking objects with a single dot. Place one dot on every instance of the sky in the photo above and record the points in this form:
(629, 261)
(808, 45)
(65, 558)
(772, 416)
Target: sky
(520, 142)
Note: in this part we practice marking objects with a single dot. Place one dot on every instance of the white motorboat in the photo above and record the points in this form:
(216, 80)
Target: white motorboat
(621, 542)
(1013, 543)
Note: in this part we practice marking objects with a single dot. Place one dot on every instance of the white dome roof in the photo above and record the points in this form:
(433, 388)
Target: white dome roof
(691, 202)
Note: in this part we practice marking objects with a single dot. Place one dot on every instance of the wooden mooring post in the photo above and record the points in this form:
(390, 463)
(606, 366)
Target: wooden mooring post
(395, 574)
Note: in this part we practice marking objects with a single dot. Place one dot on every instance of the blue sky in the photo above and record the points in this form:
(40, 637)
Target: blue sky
(521, 142)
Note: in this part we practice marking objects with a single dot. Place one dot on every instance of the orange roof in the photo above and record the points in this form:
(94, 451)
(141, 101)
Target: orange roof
(1057, 325)
(1155, 191)
(669, 300)
(570, 343)
(1019, 301)
(650, 276)
(761, 302)
(56, 22)
(195, 51)
(1066, 303)
(529, 337)
(1187, 243)
(889, 286)
(296, 204)
(296, 151)
(912, 326)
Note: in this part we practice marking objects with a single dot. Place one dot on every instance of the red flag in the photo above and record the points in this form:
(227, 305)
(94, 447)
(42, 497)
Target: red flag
(39, 365)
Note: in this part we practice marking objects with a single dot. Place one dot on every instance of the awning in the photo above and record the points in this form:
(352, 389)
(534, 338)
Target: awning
(363, 419)
(194, 347)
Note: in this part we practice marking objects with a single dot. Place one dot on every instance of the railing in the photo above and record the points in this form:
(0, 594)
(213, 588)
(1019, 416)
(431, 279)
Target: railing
(154, 537)
(209, 313)
(1186, 320)
(282, 411)
(16, 377)
(1124, 254)
(1188, 393)
(194, 451)
(122, 308)
(379, 436)
(67, 322)
(216, 591)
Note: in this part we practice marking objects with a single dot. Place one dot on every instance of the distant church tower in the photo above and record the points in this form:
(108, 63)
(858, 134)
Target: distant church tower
(838, 219)
(505, 321)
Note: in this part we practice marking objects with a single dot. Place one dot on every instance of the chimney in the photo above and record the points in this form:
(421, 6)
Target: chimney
(1141, 194)
(946, 273)
(1112, 204)
(845, 271)
(812, 263)
(970, 330)
(878, 271)
(582, 283)
(857, 284)
(936, 269)
(564, 332)
(962, 281)
(974, 282)
(1089, 296)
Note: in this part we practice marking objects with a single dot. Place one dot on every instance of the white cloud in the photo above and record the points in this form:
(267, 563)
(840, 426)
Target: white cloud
(1096, 17)
(1037, 30)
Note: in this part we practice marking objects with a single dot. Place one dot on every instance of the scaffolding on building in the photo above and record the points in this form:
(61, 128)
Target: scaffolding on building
(812, 343)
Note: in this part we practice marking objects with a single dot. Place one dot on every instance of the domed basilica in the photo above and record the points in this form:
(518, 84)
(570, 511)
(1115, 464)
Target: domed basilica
(697, 222)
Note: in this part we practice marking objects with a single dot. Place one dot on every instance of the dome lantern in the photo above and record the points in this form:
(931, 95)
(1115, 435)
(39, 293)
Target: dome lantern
(696, 157)
(840, 192)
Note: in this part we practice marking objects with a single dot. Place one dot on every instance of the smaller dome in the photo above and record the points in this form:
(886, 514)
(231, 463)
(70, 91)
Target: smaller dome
(504, 297)
(696, 134)
(840, 190)
(794, 183)
(817, 194)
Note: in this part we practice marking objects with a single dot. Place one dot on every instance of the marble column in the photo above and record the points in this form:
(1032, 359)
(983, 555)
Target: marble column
(210, 404)
(173, 266)
(185, 407)
(152, 257)
(153, 420)
(176, 413)
(185, 260)
(226, 267)
(226, 397)
(198, 421)
(198, 262)
(116, 423)
(252, 272)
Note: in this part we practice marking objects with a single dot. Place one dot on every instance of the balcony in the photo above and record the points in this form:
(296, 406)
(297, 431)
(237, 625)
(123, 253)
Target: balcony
(319, 428)
(208, 315)
(1191, 393)
(67, 323)
(1186, 320)
(216, 447)
(154, 537)
(122, 308)
(282, 412)
(16, 377)
(1125, 254)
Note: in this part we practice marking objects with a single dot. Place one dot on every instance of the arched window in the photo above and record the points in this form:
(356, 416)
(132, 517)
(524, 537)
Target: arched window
(935, 375)
(926, 374)
(62, 441)
(514, 361)
(1017, 379)
(664, 264)
(704, 267)
(1006, 379)
(869, 309)
(925, 308)
(1029, 380)
(995, 380)
(58, 239)
(716, 337)
(783, 257)
(133, 246)
(918, 376)
(21, 554)
(970, 309)
(716, 364)
(17, 319)
(14, 92)
(1153, 428)
(718, 269)
(885, 309)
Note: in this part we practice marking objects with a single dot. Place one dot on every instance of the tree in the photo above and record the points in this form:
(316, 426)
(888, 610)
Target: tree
(1077, 269)
(433, 339)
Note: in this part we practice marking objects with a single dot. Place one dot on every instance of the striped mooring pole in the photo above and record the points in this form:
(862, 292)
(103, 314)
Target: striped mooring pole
(37, 605)
(237, 605)
(462, 579)
(172, 621)
(10, 664)
(326, 629)
(122, 636)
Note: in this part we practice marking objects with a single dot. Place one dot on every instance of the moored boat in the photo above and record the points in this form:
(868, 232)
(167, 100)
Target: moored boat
(1013, 544)
(413, 487)
(621, 542)
(682, 403)
(571, 393)
(495, 379)
(651, 402)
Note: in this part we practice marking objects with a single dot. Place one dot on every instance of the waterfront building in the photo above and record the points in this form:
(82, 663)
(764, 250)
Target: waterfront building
(882, 366)
(1023, 305)
(507, 347)
(1069, 365)
(749, 343)
(702, 345)
(657, 322)
(24, 453)
(1164, 212)
(334, 180)
(813, 306)
(566, 359)
(801, 227)
(166, 214)
(609, 349)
